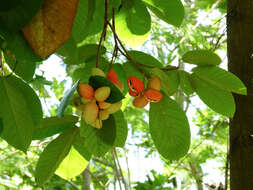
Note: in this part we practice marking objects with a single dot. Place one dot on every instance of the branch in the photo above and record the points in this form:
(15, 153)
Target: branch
(102, 162)
(116, 170)
(103, 35)
(121, 173)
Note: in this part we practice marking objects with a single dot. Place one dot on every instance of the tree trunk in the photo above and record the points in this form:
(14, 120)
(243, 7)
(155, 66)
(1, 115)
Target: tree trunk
(197, 174)
(240, 62)
(86, 178)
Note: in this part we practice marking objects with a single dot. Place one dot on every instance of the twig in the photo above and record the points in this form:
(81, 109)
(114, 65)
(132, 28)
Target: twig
(95, 177)
(116, 169)
(128, 170)
(102, 162)
(115, 51)
(121, 173)
(73, 185)
(103, 35)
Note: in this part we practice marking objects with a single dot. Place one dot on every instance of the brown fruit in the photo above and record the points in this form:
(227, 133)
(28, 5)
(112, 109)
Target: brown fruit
(114, 107)
(154, 83)
(97, 72)
(90, 113)
(86, 91)
(102, 93)
(152, 95)
(135, 84)
(103, 114)
(140, 101)
(104, 105)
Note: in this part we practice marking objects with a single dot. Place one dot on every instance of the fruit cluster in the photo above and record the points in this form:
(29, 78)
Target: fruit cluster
(141, 95)
(94, 106)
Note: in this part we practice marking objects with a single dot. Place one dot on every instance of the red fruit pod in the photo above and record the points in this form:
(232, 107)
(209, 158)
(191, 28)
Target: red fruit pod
(132, 93)
(152, 95)
(86, 91)
(112, 76)
(135, 84)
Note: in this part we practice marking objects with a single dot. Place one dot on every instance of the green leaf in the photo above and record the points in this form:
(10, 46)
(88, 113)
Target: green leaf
(108, 131)
(89, 51)
(116, 3)
(131, 70)
(53, 155)
(169, 128)
(169, 80)
(20, 110)
(185, 82)
(66, 99)
(18, 46)
(24, 69)
(93, 143)
(217, 99)
(133, 24)
(79, 146)
(53, 125)
(201, 57)
(7, 5)
(98, 81)
(221, 78)
(171, 11)
(145, 59)
(16, 17)
(83, 19)
(121, 129)
(1, 126)
(72, 165)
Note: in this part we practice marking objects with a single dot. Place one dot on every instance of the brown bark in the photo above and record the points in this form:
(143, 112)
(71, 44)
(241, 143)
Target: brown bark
(240, 62)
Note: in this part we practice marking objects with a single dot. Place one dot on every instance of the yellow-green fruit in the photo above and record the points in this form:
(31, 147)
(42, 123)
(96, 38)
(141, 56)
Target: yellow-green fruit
(140, 101)
(97, 124)
(114, 107)
(154, 83)
(104, 105)
(90, 112)
(97, 72)
(102, 93)
(85, 101)
(103, 114)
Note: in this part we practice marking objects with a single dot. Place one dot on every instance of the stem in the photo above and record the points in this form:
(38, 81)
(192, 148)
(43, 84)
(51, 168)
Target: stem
(103, 35)
(116, 169)
(95, 177)
(121, 173)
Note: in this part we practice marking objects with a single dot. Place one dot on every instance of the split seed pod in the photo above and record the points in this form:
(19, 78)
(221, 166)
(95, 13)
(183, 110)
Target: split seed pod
(152, 95)
(102, 93)
(154, 83)
(86, 91)
(132, 93)
(90, 113)
(135, 84)
(140, 101)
